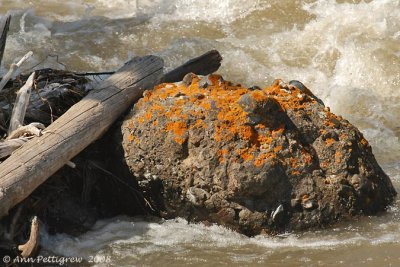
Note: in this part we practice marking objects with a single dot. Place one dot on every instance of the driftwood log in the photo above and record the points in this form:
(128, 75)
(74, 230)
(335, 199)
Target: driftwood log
(86, 121)
(4, 27)
(202, 65)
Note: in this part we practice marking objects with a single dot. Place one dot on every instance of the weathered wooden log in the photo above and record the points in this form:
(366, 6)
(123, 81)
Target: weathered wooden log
(86, 121)
(202, 65)
(4, 27)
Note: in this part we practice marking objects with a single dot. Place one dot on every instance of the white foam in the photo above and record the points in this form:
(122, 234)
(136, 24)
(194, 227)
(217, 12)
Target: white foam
(112, 237)
(225, 11)
(344, 56)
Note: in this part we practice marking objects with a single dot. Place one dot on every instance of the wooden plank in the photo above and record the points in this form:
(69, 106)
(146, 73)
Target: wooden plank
(4, 27)
(86, 121)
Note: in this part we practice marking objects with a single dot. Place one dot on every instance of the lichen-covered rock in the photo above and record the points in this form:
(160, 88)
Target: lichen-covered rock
(254, 160)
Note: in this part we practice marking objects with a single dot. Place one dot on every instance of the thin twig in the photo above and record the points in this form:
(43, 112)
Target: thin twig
(123, 182)
(95, 73)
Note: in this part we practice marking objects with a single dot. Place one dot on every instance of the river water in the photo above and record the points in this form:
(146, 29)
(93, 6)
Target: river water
(346, 51)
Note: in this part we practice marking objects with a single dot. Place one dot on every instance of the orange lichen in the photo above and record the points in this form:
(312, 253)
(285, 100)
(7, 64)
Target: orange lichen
(277, 149)
(191, 105)
(278, 132)
(330, 141)
(132, 138)
(295, 173)
(288, 100)
(263, 157)
(260, 126)
(259, 96)
(206, 105)
(179, 140)
(222, 154)
(179, 128)
(246, 132)
(331, 120)
(148, 115)
(338, 156)
(245, 154)
(293, 162)
(198, 124)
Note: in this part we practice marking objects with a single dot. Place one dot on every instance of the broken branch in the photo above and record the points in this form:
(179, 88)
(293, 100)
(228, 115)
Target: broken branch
(13, 68)
(21, 104)
(29, 248)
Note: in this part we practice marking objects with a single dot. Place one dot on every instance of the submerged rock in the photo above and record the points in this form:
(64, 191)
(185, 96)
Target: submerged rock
(253, 160)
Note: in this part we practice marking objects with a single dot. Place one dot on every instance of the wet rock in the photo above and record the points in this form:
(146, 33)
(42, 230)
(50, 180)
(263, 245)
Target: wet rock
(304, 89)
(187, 79)
(267, 160)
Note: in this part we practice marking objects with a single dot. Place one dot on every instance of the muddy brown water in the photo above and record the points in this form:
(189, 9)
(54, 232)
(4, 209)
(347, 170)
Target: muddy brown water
(347, 52)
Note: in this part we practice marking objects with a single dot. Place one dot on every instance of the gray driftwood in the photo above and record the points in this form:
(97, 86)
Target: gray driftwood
(9, 146)
(4, 27)
(21, 104)
(86, 121)
(19, 137)
(13, 69)
(29, 248)
(202, 65)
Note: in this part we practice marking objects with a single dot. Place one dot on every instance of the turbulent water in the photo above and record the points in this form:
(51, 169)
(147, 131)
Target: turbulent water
(346, 51)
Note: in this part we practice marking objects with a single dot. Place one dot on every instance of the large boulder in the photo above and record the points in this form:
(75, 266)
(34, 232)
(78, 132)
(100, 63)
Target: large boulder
(253, 160)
